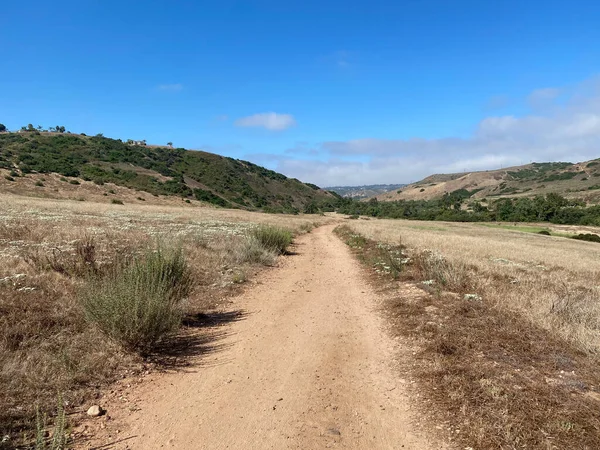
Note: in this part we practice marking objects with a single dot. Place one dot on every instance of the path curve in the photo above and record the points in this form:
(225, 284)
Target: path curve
(308, 368)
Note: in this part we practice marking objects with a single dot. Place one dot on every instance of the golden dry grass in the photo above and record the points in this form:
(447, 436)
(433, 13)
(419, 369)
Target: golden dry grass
(487, 372)
(553, 281)
(46, 347)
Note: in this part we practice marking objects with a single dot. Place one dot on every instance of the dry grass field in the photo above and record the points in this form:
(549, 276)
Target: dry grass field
(504, 326)
(48, 248)
(553, 281)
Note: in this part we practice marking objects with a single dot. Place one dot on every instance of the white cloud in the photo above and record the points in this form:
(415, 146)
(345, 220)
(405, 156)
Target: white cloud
(541, 97)
(568, 131)
(176, 87)
(270, 121)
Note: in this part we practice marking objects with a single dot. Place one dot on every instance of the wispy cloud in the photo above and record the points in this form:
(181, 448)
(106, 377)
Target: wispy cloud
(302, 149)
(568, 131)
(270, 121)
(496, 102)
(541, 97)
(342, 59)
(175, 87)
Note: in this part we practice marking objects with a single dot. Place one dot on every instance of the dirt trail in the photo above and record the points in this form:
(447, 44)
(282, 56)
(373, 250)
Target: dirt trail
(308, 368)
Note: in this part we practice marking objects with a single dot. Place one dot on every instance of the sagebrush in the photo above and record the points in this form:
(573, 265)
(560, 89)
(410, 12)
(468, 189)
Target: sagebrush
(140, 304)
(273, 238)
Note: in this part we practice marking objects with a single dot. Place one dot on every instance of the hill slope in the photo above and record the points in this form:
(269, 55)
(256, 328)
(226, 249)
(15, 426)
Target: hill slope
(366, 191)
(580, 180)
(204, 176)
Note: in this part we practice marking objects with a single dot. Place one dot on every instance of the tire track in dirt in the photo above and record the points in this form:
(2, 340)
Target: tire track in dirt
(308, 368)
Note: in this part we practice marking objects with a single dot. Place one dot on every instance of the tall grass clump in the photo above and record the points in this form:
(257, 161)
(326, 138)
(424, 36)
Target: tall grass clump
(452, 275)
(140, 303)
(273, 238)
(251, 250)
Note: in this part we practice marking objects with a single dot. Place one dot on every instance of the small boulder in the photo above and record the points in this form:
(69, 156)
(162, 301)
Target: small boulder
(95, 411)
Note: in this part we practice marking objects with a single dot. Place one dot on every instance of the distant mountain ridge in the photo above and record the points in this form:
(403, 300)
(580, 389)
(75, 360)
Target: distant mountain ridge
(571, 180)
(204, 176)
(366, 191)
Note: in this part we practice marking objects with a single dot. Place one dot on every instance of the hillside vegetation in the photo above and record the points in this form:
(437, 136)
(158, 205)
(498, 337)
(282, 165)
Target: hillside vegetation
(457, 206)
(366, 191)
(198, 175)
(579, 180)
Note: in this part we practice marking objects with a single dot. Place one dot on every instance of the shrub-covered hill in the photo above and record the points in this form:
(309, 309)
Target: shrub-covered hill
(205, 176)
(573, 181)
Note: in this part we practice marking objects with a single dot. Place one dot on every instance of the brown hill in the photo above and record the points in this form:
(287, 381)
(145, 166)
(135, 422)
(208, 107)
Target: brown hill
(579, 180)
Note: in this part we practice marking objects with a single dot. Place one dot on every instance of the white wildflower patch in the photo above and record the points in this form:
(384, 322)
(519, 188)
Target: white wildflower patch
(12, 278)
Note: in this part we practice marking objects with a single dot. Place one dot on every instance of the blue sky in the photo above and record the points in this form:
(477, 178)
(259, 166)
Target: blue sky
(331, 92)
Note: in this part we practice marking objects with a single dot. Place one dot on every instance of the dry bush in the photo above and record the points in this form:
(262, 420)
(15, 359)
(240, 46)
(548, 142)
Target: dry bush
(454, 276)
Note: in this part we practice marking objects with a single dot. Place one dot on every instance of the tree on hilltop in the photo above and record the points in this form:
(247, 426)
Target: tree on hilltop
(2, 128)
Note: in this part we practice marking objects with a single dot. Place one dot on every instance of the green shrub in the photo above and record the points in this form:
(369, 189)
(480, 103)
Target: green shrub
(544, 232)
(139, 303)
(273, 238)
(116, 201)
(60, 435)
(75, 182)
(39, 184)
(587, 237)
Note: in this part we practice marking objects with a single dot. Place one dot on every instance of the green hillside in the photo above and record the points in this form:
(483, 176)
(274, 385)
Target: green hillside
(205, 176)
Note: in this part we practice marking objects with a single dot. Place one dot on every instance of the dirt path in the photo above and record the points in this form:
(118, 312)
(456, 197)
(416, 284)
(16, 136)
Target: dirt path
(308, 368)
